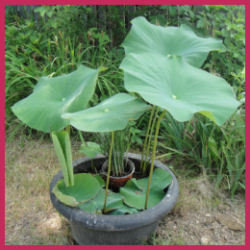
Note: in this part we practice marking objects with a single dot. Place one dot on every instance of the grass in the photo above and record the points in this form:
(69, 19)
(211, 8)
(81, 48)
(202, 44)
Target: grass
(36, 53)
(31, 219)
(120, 146)
(207, 148)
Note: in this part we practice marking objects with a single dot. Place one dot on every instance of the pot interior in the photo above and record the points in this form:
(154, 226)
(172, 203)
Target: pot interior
(94, 166)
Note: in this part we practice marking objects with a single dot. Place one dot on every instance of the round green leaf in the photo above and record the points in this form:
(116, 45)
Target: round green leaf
(86, 187)
(181, 41)
(112, 114)
(176, 86)
(95, 205)
(134, 192)
(51, 97)
(114, 206)
(160, 180)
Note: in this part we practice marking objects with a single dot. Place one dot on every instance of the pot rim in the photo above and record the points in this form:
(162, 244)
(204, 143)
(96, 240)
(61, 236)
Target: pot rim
(118, 222)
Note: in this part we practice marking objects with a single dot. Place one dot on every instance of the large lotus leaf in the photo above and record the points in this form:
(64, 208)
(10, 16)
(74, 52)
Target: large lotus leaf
(85, 188)
(181, 41)
(176, 86)
(112, 114)
(134, 192)
(51, 97)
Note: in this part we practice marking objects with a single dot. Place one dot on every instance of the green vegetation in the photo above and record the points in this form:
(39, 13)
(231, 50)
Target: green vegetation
(121, 145)
(55, 39)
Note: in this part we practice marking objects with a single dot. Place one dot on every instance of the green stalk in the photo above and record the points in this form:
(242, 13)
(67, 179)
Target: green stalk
(149, 141)
(61, 157)
(115, 164)
(119, 152)
(114, 157)
(81, 138)
(68, 156)
(146, 138)
(153, 156)
(109, 170)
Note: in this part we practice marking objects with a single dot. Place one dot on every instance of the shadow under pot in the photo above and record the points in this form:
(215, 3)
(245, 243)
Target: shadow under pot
(119, 181)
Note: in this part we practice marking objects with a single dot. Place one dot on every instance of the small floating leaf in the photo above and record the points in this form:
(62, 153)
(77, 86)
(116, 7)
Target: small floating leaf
(86, 187)
(134, 192)
(115, 204)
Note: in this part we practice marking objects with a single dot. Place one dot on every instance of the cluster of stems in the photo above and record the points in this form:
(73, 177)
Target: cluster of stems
(153, 156)
(147, 141)
(152, 125)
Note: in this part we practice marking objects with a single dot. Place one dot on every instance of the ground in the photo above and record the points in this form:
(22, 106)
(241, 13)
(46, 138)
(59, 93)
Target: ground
(202, 215)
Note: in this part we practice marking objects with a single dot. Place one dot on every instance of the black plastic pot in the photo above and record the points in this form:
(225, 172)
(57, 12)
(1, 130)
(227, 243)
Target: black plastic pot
(97, 229)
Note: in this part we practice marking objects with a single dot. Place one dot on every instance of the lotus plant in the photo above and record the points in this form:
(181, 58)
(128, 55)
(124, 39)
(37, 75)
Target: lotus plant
(162, 66)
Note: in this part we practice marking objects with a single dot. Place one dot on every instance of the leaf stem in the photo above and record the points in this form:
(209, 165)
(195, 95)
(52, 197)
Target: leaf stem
(61, 157)
(153, 156)
(68, 156)
(81, 138)
(146, 138)
(149, 140)
(109, 170)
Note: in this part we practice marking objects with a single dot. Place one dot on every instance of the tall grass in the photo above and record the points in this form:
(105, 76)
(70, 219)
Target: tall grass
(200, 145)
(121, 145)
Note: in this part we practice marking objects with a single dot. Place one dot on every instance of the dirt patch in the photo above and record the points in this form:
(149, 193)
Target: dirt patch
(30, 218)
(201, 216)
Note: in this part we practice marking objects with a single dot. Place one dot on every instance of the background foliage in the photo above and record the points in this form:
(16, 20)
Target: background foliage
(51, 40)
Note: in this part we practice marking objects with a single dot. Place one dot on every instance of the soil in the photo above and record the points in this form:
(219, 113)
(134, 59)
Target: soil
(202, 215)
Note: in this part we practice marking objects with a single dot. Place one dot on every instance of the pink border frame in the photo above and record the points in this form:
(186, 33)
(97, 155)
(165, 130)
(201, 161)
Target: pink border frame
(112, 2)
